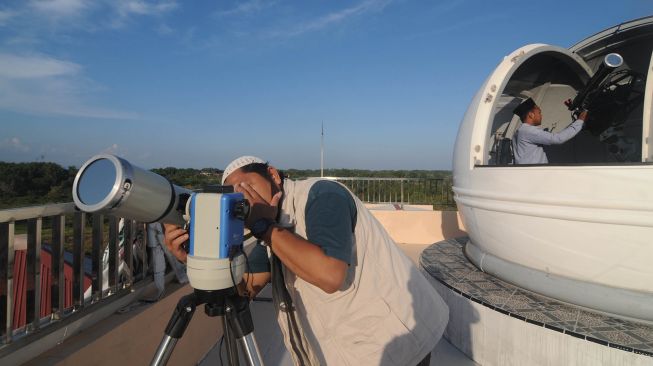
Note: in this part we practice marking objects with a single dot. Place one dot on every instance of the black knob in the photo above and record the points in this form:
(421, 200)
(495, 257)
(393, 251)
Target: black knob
(241, 210)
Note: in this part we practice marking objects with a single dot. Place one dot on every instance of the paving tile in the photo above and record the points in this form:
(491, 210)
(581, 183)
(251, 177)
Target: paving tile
(616, 337)
(588, 319)
(565, 314)
(534, 315)
(646, 332)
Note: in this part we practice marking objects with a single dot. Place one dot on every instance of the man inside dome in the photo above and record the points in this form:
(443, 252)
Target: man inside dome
(529, 137)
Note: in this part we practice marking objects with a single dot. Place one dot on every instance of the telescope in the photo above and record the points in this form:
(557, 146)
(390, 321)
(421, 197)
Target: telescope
(584, 97)
(108, 184)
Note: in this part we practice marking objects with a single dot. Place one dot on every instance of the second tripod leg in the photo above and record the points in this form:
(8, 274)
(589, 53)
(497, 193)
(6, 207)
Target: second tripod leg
(230, 341)
(239, 319)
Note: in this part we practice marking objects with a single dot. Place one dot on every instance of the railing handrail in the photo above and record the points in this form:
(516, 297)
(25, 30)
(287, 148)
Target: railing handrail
(380, 178)
(31, 212)
(400, 190)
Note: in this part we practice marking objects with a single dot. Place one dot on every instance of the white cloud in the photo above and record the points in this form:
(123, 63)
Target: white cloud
(5, 16)
(331, 19)
(38, 84)
(60, 8)
(142, 7)
(89, 15)
(14, 144)
(455, 26)
(115, 149)
(125, 9)
(29, 67)
(164, 29)
(246, 7)
(22, 41)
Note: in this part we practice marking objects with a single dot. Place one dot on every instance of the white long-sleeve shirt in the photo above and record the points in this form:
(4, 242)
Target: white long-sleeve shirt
(528, 142)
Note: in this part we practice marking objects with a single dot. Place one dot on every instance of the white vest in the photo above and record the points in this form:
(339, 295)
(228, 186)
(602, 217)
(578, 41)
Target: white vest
(386, 313)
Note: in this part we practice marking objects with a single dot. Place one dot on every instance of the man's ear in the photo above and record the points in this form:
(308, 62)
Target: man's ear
(274, 174)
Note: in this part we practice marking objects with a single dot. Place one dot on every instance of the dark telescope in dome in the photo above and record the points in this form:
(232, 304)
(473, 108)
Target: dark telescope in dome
(583, 98)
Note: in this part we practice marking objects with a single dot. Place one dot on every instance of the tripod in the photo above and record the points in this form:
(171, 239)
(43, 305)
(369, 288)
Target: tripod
(236, 322)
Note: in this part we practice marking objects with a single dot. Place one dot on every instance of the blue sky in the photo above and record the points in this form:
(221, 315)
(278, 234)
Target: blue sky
(198, 83)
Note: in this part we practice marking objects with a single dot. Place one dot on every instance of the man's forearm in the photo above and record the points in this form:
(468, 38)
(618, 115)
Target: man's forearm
(307, 260)
(253, 283)
(568, 133)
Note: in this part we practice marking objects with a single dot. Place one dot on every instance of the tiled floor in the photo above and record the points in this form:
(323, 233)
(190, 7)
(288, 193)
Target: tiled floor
(446, 262)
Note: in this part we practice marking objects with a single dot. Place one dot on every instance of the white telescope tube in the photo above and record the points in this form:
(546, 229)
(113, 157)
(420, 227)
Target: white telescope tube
(109, 184)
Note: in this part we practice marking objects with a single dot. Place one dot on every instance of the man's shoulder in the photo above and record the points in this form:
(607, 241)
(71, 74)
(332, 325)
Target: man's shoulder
(528, 127)
(529, 130)
(326, 186)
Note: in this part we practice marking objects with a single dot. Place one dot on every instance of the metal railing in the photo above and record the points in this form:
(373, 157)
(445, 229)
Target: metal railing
(417, 191)
(45, 276)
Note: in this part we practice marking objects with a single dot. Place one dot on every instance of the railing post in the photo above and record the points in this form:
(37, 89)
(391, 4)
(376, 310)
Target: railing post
(368, 190)
(58, 273)
(97, 239)
(443, 189)
(128, 240)
(144, 258)
(6, 280)
(378, 190)
(114, 254)
(33, 264)
(79, 222)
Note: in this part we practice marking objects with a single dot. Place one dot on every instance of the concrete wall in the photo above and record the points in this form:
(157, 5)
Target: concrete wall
(420, 227)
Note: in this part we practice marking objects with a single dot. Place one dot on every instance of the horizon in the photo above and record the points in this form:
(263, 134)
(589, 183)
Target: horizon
(166, 83)
(222, 170)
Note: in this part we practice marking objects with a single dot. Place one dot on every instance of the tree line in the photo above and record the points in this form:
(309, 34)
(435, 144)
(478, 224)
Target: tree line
(27, 184)
(37, 183)
(427, 174)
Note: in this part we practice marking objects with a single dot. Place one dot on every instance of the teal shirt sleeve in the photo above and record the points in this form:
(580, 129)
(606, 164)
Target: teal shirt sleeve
(258, 260)
(330, 219)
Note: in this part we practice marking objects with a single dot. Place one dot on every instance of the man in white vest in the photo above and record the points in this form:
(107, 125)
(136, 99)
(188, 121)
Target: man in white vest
(344, 293)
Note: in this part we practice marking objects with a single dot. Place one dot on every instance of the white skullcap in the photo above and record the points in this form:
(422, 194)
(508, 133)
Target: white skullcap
(239, 163)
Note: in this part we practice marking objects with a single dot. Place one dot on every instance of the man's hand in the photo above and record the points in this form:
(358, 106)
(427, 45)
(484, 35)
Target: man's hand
(174, 238)
(583, 116)
(259, 208)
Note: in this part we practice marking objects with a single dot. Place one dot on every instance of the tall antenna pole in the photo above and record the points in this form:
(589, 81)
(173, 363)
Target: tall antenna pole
(322, 152)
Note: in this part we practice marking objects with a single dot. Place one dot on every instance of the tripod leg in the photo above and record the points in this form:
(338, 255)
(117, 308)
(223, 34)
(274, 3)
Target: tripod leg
(250, 348)
(230, 341)
(178, 323)
(239, 319)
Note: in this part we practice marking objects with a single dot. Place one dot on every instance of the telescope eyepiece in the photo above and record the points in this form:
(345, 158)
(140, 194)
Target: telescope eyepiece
(241, 210)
